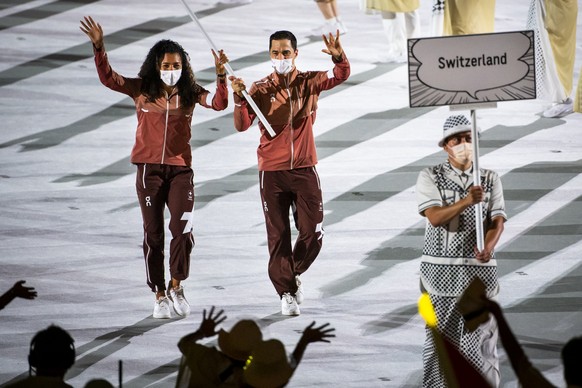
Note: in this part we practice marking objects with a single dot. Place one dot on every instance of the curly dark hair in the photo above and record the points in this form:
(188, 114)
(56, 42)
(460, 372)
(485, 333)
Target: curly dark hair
(152, 85)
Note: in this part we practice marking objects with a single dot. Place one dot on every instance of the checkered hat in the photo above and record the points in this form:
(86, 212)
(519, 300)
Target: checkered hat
(454, 125)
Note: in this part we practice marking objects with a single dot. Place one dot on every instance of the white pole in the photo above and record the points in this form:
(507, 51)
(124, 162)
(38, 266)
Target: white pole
(477, 181)
(231, 72)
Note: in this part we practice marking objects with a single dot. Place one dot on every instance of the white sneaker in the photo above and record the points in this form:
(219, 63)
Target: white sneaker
(341, 27)
(181, 305)
(289, 305)
(299, 293)
(162, 308)
(330, 28)
(558, 110)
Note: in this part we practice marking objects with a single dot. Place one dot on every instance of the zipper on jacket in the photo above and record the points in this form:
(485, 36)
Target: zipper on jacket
(166, 127)
(290, 120)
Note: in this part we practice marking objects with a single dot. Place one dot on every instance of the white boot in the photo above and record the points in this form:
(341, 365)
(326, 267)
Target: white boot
(437, 20)
(394, 28)
(412, 20)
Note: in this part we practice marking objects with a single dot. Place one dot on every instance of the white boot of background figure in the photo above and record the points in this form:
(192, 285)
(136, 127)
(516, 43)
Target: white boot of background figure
(341, 26)
(412, 20)
(395, 31)
(330, 26)
(437, 20)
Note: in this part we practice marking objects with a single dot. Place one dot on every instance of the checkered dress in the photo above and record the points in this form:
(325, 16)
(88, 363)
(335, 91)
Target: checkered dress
(448, 260)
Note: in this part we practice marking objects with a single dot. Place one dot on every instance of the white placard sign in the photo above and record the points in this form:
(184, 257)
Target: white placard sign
(469, 69)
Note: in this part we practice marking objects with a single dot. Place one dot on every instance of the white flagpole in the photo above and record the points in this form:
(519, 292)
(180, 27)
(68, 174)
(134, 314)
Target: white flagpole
(231, 72)
(477, 181)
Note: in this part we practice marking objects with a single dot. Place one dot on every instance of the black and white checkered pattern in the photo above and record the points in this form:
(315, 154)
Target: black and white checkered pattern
(438, 7)
(451, 325)
(453, 125)
(449, 268)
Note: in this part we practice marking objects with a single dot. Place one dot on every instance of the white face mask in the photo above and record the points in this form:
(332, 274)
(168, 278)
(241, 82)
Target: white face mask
(282, 66)
(170, 77)
(462, 153)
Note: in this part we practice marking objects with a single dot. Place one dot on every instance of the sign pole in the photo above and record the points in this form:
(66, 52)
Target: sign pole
(229, 70)
(477, 181)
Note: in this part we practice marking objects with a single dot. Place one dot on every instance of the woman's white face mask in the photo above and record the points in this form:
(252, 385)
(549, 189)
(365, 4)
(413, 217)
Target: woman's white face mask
(170, 77)
(282, 66)
(461, 153)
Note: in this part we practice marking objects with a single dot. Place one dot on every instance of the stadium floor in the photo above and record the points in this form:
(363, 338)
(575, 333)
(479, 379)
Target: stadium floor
(70, 225)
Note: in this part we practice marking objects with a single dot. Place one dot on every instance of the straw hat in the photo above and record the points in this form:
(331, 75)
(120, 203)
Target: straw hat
(453, 125)
(241, 340)
(268, 367)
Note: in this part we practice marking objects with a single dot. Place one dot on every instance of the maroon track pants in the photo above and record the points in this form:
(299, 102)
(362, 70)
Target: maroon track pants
(159, 185)
(281, 190)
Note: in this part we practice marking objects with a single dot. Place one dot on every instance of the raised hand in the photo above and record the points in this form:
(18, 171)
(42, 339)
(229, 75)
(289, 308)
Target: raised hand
(334, 47)
(23, 292)
(208, 325)
(318, 334)
(219, 60)
(93, 30)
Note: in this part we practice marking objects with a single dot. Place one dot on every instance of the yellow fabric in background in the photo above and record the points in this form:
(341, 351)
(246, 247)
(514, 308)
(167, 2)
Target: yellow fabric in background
(560, 21)
(393, 5)
(468, 17)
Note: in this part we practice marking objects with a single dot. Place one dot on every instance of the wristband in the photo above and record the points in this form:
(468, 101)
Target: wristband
(221, 75)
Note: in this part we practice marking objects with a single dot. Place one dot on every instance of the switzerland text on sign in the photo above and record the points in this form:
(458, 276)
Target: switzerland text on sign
(468, 69)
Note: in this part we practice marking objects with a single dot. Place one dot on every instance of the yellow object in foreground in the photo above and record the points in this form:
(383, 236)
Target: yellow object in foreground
(426, 310)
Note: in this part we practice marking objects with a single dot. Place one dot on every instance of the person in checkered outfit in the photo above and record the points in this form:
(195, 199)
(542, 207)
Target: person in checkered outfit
(450, 258)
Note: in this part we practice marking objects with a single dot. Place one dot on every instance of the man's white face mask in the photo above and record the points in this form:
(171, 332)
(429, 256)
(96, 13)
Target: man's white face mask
(462, 153)
(170, 77)
(282, 66)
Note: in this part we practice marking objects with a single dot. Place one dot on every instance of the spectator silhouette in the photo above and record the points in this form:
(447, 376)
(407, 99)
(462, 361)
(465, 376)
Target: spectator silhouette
(456, 370)
(18, 290)
(98, 383)
(52, 353)
(206, 366)
(475, 307)
(268, 365)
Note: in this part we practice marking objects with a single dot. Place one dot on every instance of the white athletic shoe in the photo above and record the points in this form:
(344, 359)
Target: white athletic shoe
(289, 305)
(341, 27)
(299, 296)
(162, 308)
(181, 305)
(330, 28)
(559, 110)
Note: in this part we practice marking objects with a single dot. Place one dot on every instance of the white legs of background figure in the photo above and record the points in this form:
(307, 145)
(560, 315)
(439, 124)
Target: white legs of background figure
(437, 20)
(398, 27)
